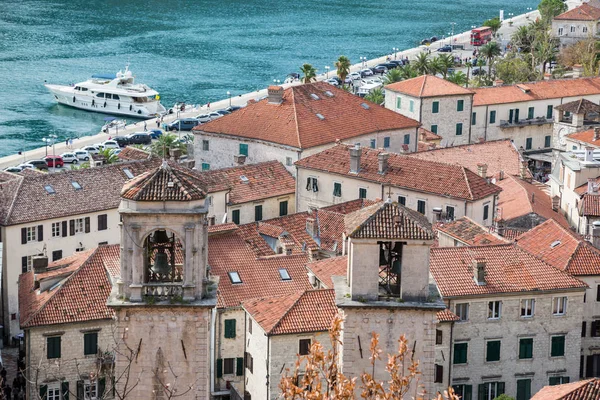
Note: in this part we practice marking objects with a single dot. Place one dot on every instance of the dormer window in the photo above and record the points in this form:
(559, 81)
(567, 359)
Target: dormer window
(128, 173)
(234, 277)
(49, 189)
(285, 276)
(76, 185)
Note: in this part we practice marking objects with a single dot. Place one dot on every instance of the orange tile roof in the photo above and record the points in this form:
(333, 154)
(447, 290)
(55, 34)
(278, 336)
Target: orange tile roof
(228, 252)
(541, 90)
(581, 390)
(585, 137)
(499, 155)
(469, 232)
(582, 189)
(407, 172)
(511, 233)
(427, 135)
(584, 12)
(447, 316)
(581, 106)
(295, 122)
(590, 205)
(428, 86)
(508, 269)
(169, 182)
(303, 312)
(130, 153)
(79, 297)
(325, 269)
(561, 248)
(519, 198)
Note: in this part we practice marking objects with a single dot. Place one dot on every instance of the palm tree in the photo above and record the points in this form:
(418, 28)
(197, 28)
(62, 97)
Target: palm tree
(343, 67)
(310, 73)
(445, 62)
(435, 66)
(109, 156)
(522, 38)
(408, 71)
(165, 143)
(494, 24)
(393, 75)
(457, 77)
(490, 51)
(422, 64)
(376, 96)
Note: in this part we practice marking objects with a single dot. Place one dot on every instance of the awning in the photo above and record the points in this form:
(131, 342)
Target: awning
(545, 157)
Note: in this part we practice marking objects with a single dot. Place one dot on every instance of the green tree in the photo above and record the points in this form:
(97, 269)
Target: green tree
(457, 77)
(310, 73)
(422, 64)
(444, 62)
(551, 8)
(490, 51)
(109, 156)
(504, 397)
(165, 144)
(522, 38)
(408, 71)
(393, 75)
(376, 96)
(493, 23)
(585, 53)
(343, 67)
(515, 68)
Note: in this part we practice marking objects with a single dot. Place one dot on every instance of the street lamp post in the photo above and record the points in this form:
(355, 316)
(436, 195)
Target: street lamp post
(395, 50)
(327, 67)
(178, 127)
(453, 25)
(50, 140)
(229, 95)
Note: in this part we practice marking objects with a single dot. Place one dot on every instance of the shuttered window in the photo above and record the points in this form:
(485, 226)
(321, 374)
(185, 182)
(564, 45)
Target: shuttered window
(102, 222)
(492, 117)
(460, 105)
(459, 127)
(53, 347)
(434, 129)
(558, 346)
(337, 189)
(235, 216)
(219, 368)
(492, 351)
(435, 107)
(258, 216)
(473, 118)
(523, 389)
(90, 343)
(362, 193)
(549, 112)
(525, 348)
(547, 141)
(283, 208)
(304, 347)
(239, 368)
(528, 143)
(244, 149)
(460, 353)
(229, 328)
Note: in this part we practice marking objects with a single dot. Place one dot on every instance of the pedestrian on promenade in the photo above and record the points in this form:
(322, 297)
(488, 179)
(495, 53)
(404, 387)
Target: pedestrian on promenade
(157, 122)
(208, 105)
(145, 128)
(70, 143)
(67, 142)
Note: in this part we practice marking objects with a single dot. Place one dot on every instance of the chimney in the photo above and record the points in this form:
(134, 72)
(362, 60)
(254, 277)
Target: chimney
(498, 82)
(175, 154)
(577, 71)
(596, 133)
(383, 162)
(555, 203)
(596, 234)
(40, 264)
(355, 153)
(239, 159)
(275, 94)
(479, 271)
(590, 185)
(501, 175)
(312, 228)
(482, 170)
(589, 154)
(547, 76)
(523, 171)
(500, 227)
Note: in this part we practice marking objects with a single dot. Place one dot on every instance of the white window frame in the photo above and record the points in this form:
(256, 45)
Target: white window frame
(559, 305)
(31, 233)
(560, 31)
(56, 229)
(79, 225)
(464, 307)
(90, 390)
(53, 391)
(572, 28)
(289, 161)
(495, 310)
(528, 307)
(205, 145)
(488, 390)
(584, 29)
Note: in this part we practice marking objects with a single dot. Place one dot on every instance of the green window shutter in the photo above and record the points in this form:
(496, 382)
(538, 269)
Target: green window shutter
(434, 129)
(205, 166)
(362, 193)
(558, 346)
(435, 107)
(459, 129)
(516, 115)
(523, 389)
(528, 143)
(493, 350)
(407, 138)
(101, 387)
(473, 118)
(492, 117)
(235, 216)
(530, 112)
(258, 213)
(239, 368)
(43, 391)
(468, 392)
(229, 328)
(337, 189)
(53, 347)
(219, 367)
(511, 114)
(411, 106)
(460, 353)
(398, 102)
(386, 142)
(525, 348)
(460, 105)
(244, 149)
(481, 392)
(90, 343)
(549, 111)
(553, 381)
(283, 208)
(500, 389)
(548, 141)
(64, 388)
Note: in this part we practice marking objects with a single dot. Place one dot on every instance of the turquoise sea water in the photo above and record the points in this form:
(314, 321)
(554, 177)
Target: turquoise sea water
(195, 51)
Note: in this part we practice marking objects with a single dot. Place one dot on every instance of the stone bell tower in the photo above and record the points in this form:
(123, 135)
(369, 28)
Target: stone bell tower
(386, 289)
(163, 299)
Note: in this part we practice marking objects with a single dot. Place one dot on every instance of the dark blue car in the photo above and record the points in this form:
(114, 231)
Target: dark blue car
(155, 133)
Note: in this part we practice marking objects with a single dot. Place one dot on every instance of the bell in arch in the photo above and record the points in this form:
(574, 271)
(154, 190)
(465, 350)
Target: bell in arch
(161, 236)
(161, 263)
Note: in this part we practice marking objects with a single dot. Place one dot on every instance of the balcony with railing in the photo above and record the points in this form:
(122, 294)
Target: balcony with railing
(525, 122)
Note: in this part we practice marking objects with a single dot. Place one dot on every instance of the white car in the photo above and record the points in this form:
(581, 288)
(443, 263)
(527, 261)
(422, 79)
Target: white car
(69, 158)
(26, 165)
(332, 82)
(214, 115)
(13, 169)
(203, 118)
(366, 72)
(115, 151)
(82, 155)
(91, 149)
(354, 76)
(110, 144)
(99, 146)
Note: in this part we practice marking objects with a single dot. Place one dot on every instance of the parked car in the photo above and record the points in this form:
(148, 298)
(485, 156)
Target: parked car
(379, 69)
(445, 49)
(365, 72)
(91, 149)
(99, 146)
(115, 151)
(232, 108)
(13, 169)
(333, 82)
(397, 63)
(69, 158)
(478, 71)
(202, 118)
(223, 112)
(26, 166)
(82, 155)
(389, 65)
(111, 144)
(54, 161)
(39, 164)
(183, 124)
(433, 39)
(121, 140)
(155, 133)
(355, 76)
(139, 138)
(214, 115)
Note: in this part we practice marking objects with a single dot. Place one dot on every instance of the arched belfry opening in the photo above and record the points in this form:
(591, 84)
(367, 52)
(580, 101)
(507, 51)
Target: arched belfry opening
(163, 257)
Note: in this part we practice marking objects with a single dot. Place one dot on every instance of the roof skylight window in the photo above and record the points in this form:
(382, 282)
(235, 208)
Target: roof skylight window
(128, 173)
(320, 116)
(328, 93)
(285, 276)
(365, 106)
(554, 244)
(244, 178)
(76, 185)
(49, 189)
(234, 277)
(314, 96)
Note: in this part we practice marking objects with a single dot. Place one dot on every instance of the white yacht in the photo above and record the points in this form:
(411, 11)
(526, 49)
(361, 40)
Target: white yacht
(111, 94)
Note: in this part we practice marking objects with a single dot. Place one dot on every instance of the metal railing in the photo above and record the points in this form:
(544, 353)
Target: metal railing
(525, 122)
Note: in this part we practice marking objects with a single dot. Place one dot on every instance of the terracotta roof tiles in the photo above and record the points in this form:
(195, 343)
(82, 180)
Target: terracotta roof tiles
(584, 12)
(469, 232)
(447, 316)
(581, 390)
(295, 122)
(131, 153)
(326, 268)
(590, 205)
(586, 136)
(581, 106)
(428, 86)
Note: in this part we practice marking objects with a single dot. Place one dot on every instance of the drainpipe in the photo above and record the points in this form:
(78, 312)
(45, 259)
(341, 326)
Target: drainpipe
(486, 116)
(268, 363)
(416, 139)
(213, 318)
(450, 355)
(470, 120)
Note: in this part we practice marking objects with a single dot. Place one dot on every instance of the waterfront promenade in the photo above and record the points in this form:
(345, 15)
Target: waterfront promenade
(241, 100)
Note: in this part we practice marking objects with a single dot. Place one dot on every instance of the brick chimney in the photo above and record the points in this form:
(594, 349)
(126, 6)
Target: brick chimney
(501, 175)
(500, 227)
(482, 170)
(40, 264)
(275, 94)
(596, 133)
(312, 228)
(479, 271)
(355, 153)
(596, 234)
(383, 162)
(498, 82)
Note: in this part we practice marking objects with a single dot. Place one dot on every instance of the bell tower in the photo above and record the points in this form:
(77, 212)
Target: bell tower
(386, 289)
(163, 300)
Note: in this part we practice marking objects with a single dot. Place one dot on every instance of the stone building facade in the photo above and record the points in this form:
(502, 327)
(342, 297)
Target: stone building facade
(576, 24)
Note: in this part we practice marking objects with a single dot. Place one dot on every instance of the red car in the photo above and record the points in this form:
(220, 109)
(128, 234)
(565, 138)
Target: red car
(55, 161)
